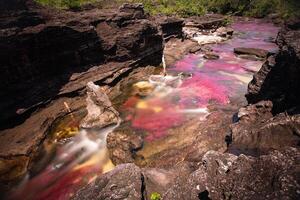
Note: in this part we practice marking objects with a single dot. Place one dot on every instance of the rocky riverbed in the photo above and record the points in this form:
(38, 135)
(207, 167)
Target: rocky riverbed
(88, 112)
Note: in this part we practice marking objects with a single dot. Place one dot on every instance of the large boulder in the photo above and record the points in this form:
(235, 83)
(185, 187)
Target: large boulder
(226, 176)
(258, 132)
(278, 79)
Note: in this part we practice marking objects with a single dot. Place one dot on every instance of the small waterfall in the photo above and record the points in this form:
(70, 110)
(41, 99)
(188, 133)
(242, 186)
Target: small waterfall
(164, 65)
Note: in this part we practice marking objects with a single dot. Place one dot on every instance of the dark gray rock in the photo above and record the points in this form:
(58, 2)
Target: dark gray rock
(278, 79)
(258, 132)
(124, 182)
(225, 176)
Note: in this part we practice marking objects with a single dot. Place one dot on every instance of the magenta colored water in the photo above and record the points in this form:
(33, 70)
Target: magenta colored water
(212, 82)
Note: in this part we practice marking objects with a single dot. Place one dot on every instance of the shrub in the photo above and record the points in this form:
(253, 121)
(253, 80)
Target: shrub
(186, 8)
(155, 196)
(72, 4)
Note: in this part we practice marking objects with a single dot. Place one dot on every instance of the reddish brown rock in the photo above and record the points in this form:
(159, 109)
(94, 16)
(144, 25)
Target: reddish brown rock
(251, 51)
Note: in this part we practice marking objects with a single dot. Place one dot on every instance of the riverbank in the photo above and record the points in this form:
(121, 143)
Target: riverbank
(188, 131)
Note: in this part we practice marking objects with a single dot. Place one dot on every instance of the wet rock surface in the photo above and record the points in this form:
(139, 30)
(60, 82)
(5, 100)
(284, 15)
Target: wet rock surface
(122, 144)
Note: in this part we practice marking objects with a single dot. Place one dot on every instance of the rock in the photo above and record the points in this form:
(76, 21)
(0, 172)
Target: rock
(159, 180)
(224, 31)
(170, 27)
(136, 11)
(143, 88)
(225, 176)
(257, 131)
(211, 21)
(195, 49)
(211, 56)
(278, 79)
(124, 182)
(252, 51)
(122, 145)
(101, 113)
(175, 49)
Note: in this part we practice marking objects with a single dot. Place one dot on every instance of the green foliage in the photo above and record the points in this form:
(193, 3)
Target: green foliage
(186, 8)
(70, 4)
(155, 196)
(73, 4)
(227, 6)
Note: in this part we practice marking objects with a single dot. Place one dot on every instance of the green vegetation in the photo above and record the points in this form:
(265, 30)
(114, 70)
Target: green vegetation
(185, 8)
(155, 196)
(72, 4)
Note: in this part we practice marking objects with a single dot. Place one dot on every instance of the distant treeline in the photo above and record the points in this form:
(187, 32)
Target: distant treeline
(185, 8)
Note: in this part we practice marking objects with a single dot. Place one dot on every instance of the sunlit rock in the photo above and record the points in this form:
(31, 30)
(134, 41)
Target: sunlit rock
(143, 88)
(224, 31)
(100, 110)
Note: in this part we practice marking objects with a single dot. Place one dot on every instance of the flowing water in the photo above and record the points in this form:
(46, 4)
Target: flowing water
(209, 82)
(207, 87)
(188, 90)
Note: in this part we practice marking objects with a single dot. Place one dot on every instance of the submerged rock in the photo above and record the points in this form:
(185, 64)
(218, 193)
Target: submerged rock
(122, 144)
(211, 56)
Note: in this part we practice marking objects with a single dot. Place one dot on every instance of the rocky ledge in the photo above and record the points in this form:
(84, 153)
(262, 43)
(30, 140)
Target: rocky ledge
(49, 58)
(278, 79)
